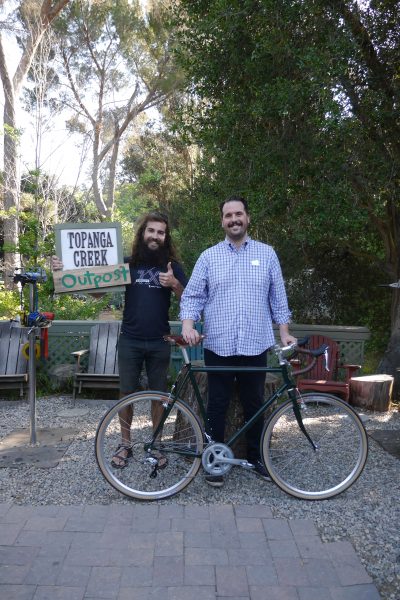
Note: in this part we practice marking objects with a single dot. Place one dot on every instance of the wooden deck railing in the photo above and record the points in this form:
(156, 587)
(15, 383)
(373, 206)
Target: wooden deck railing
(68, 336)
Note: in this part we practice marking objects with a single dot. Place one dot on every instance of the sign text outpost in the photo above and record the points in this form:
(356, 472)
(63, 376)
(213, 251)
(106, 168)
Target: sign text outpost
(95, 278)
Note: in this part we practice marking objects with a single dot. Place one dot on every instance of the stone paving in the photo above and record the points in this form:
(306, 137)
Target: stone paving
(171, 552)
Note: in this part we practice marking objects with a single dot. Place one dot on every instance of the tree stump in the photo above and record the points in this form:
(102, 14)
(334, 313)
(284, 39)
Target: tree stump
(373, 392)
(234, 417)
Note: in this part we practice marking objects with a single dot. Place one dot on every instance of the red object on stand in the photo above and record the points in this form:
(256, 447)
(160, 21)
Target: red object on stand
(44, 336)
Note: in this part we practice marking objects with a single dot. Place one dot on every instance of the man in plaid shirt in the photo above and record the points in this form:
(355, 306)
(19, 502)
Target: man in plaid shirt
(237, 286)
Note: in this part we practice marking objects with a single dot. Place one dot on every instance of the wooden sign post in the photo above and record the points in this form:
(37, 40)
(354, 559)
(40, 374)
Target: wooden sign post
(92, 258)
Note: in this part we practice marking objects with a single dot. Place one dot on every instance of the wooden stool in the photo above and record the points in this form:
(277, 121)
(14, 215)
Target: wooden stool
(373, 392)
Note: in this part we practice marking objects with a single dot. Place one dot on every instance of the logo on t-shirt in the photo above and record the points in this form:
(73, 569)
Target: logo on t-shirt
(148, 277)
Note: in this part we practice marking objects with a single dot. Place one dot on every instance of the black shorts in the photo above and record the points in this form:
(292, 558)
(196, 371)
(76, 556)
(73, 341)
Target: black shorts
(133, 353)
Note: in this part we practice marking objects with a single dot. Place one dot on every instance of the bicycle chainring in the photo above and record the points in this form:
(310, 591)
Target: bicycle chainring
(211, 459)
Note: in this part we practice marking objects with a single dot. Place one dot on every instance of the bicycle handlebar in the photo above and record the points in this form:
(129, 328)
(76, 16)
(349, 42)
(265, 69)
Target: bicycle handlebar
(180, 341)
(313, 353)
(279, 350)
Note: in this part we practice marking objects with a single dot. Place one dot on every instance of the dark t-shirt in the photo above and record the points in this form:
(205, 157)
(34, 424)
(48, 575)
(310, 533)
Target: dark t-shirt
(147, 302)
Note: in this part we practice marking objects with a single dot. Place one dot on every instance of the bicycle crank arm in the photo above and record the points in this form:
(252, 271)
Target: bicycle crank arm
(239, 462)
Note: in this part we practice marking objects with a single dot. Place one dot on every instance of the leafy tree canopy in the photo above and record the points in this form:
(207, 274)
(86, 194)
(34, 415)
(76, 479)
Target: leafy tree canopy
(295, 105)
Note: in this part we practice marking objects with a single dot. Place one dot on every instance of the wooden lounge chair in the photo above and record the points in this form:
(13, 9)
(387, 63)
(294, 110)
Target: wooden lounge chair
(13, 364)
(102, 370)
(324, 377)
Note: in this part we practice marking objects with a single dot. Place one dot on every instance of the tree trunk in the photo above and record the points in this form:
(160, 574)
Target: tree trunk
(112, 174)
(12, 88)
(391, 359)
(11, 193)
(97, 187)
(390, 362)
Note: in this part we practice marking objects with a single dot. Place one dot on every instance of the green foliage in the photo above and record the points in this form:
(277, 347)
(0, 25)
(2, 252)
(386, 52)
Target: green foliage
(118, 64)
(129, 205)
(157, 165)
(73, 307)
(66, 306)
(9, 304)
(290, 110)
(33, 243)
(197, 212)
(12, 132)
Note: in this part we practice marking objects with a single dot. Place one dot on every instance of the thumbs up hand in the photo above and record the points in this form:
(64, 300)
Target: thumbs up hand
(168, 279)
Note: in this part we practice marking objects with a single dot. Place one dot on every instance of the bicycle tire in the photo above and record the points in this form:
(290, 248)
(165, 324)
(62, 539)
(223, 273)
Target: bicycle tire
(181, 442)
(295, 466)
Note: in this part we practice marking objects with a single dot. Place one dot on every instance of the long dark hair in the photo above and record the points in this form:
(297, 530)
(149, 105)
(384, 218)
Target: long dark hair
(137, 245)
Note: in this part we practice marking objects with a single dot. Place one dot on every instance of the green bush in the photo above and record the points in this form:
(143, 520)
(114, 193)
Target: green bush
(9, 304)
(65, 307)
(72, 307)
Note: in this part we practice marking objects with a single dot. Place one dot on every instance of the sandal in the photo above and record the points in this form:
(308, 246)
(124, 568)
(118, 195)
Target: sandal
(118, 455)
(162, 460)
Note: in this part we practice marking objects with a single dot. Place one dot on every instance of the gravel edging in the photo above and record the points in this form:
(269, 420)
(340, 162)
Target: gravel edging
(367, 514)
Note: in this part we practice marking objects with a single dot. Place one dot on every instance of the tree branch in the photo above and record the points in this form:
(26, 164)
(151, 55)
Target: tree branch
(73, 88)
(4, 73)
(48, 13)
(388, 144)
(379, 71)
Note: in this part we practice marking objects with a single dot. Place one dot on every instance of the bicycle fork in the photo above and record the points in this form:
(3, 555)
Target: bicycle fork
(297, 412)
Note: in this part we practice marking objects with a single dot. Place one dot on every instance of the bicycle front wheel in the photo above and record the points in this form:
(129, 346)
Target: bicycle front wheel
(340, 437)
(180, 443)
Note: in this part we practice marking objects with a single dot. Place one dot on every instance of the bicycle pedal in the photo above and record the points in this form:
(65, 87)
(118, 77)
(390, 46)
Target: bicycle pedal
(245, 464)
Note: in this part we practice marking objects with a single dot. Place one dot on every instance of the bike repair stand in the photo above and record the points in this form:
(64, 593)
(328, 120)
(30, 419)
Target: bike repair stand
(40, 447)
(33, 319)
(32, 368)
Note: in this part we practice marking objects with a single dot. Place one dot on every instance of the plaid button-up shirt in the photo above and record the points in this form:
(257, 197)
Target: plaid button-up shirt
(240, 293)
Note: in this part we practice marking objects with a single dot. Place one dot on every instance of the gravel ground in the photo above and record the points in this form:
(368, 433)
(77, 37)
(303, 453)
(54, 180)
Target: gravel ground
(367, 514)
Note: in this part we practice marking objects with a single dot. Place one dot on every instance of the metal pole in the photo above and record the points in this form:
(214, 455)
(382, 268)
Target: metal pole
(32, 365)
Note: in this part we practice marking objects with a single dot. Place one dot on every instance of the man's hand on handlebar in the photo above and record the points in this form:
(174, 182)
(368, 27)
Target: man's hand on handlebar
(285, 336)
(288, 340)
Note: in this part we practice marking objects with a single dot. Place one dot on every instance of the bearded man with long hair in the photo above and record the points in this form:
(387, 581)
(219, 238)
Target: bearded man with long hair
(155, 274)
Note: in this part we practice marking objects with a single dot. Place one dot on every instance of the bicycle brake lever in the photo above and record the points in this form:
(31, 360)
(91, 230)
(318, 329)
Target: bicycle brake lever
(326, 358)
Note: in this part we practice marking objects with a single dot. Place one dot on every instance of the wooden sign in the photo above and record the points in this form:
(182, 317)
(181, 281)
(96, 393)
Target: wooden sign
(95, 279)
(92, 257)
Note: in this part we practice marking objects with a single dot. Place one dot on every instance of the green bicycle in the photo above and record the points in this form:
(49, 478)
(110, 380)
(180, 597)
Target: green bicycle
(314, 445)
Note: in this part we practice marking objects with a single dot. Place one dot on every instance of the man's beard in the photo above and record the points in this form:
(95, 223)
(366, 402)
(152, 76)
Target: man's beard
(152, 258)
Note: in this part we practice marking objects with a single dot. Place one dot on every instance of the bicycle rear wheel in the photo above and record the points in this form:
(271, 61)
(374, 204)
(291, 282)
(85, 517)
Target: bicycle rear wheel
(180, 442)
(342, 447)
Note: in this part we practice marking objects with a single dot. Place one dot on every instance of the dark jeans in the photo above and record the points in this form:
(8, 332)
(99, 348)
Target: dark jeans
(133, 353)
(251, 394)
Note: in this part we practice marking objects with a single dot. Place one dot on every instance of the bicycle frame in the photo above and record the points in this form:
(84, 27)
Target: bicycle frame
(187, 373)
